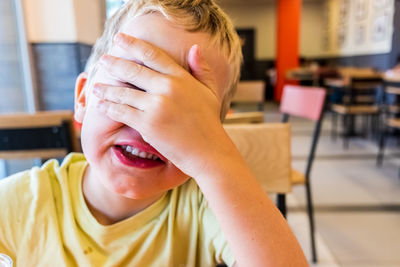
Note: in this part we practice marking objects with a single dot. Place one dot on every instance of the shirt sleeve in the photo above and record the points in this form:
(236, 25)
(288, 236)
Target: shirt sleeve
(212, 236)
(12, 212)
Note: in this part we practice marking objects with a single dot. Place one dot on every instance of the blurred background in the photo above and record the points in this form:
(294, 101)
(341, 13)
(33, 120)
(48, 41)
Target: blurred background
(44, 45)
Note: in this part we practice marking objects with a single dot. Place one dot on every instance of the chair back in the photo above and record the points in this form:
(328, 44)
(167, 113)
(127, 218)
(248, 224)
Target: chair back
(362, 91)
(303, 101)
(250, 92)
(244, 117)
(391, 101)
(306, 102)
(47, 134)
(266, 149)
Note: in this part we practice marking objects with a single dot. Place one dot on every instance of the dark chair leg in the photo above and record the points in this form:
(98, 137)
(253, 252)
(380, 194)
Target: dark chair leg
(310, 211)
(260, 106)
(375, 125)
(281, 204)
(346, 133)
(334, 126)
(379, 158)
(365, 126)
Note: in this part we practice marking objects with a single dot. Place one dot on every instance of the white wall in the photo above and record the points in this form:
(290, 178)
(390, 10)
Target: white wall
(89, 18)
(261, 17)
(50, 21)
(318, 23)
(311, 29)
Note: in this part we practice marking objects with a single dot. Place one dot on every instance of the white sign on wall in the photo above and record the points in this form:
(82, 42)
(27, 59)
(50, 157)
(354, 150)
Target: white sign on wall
(357, 27)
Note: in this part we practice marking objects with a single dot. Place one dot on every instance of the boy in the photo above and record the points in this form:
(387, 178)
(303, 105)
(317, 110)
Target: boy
(158, 83)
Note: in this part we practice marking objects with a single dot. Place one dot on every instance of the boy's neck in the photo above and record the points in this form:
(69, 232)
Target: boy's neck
(106, 206)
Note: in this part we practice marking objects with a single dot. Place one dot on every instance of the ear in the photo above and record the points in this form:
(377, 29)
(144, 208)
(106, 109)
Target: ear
(80, 97)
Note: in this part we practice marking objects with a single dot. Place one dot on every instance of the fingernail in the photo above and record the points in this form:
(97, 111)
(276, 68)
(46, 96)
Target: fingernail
(101, 105)
(105, 59)
(120, 39)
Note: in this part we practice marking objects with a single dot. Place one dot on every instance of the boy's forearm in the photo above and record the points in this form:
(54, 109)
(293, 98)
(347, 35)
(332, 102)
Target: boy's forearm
(256, 232)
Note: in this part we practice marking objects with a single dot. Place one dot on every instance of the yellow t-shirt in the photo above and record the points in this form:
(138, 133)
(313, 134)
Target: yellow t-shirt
(44, 221)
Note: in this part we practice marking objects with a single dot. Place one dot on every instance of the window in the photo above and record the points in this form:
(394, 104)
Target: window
(112, 6)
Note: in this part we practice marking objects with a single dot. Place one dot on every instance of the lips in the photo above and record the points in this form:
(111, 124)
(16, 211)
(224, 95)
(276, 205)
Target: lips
(138, 155)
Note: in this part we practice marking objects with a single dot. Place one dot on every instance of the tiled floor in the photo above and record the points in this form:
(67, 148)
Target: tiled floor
(357, 204)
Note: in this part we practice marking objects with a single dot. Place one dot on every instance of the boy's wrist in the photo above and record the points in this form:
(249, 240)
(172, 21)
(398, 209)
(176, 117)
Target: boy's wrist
(220, 161)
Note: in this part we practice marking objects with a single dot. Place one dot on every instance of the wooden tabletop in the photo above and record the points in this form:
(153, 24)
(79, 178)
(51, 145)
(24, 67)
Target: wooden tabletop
(37, 119)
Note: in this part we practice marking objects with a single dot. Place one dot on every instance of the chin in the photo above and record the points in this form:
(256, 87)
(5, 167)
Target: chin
(136, 194)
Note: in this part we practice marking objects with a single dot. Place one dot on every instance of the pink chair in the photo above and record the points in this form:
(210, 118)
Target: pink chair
(306, 102)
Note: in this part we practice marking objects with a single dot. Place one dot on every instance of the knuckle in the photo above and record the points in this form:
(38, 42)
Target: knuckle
(117, 110)
(132, 72)
(131, 41)
(123, 94)
(149, 54)
(158, 101)
(104, 92)
(158, 106)
(168, 85)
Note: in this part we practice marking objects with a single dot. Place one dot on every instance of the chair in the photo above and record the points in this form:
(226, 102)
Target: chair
(305, 102)
(46, 134)
(390, 115)
(252, 92)
(266, 149)
(244, 117)
(358, 97)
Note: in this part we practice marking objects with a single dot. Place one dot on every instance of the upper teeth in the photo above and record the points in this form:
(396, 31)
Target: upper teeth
(136, 152)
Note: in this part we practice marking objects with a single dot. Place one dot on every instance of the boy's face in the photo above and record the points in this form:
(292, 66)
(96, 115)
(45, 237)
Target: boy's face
(101, 135)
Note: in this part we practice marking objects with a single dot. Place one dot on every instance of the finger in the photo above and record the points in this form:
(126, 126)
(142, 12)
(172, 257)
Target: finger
(200, 68)
(147, 53)
(121, 113)
(133, 73)
(121, 95)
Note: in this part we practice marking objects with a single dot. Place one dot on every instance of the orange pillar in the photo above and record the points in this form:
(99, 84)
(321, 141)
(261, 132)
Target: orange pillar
(288, 41)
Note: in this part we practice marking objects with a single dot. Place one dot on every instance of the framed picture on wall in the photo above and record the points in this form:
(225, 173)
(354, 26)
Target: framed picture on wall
(381, 3)
(325, 41)
(326, 28)
(343, 11)
(380, 28)
(361, 9)
(360, 34)
(341, 36)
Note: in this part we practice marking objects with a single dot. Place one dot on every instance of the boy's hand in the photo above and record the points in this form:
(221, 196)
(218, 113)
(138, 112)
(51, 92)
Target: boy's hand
(177, 112)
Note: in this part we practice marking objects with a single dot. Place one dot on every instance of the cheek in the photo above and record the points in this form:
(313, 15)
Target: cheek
(97, 130)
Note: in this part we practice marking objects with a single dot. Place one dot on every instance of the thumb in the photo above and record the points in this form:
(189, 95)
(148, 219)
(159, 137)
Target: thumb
(200, 68)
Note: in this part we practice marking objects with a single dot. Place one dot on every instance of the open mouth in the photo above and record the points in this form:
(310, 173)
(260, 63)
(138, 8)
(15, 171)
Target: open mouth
(134, 157)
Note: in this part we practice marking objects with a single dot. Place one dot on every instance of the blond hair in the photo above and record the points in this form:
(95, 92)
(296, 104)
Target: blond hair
(194, 16)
